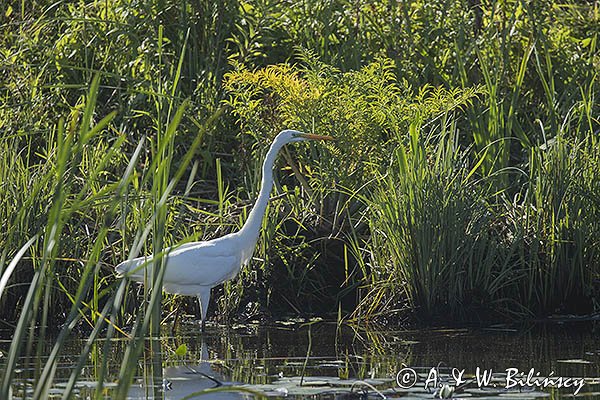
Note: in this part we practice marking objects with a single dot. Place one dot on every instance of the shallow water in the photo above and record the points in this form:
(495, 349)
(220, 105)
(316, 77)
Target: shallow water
(326, 361)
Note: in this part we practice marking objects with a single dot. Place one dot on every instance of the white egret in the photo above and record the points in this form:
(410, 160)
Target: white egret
(193, 269)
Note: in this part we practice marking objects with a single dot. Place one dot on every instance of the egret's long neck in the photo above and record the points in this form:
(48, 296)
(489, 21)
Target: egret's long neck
(251, 228)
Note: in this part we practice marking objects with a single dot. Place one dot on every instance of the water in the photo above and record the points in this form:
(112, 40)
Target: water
(326, 361)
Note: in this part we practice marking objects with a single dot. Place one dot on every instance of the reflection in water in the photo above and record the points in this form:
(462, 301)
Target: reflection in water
(185, 380)
(277, 359)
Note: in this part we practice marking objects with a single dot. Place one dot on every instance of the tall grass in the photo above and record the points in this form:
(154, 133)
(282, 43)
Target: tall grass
(559, 223)
(434, 236)
(67, 200)
(80, 190)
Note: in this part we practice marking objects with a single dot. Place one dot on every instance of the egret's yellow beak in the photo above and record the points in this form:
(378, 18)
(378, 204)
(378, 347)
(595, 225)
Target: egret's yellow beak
(316, 137)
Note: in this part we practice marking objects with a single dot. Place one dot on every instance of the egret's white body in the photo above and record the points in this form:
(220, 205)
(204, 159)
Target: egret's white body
(193, 269)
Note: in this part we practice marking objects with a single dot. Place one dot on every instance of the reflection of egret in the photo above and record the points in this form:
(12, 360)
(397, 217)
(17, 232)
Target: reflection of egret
(194, 268)
(204, 369)
(185, 380)
(188, 379)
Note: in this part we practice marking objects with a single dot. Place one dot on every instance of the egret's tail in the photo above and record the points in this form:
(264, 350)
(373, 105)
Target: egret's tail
(122, 269)
(130, 266)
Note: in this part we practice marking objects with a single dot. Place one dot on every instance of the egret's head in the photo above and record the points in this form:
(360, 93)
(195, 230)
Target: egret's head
(289, 136)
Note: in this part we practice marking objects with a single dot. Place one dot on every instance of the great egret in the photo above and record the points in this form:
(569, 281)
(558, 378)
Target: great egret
(193, 269)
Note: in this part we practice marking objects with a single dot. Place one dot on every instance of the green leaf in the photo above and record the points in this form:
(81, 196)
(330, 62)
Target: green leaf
(181, 350)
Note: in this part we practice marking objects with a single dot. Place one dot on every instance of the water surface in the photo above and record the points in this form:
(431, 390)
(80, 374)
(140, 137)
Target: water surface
(325, 361)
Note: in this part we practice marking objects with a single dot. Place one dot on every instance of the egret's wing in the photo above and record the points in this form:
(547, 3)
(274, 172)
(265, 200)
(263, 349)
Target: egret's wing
(223, 246)
(197, 268)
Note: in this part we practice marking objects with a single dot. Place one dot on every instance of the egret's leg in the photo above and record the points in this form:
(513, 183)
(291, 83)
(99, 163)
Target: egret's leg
(204, 298)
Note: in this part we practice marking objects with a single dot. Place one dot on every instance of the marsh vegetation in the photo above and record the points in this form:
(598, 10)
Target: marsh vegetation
(463, 187)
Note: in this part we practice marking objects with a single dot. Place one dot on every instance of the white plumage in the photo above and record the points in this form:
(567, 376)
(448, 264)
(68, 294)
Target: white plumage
(193, 269)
